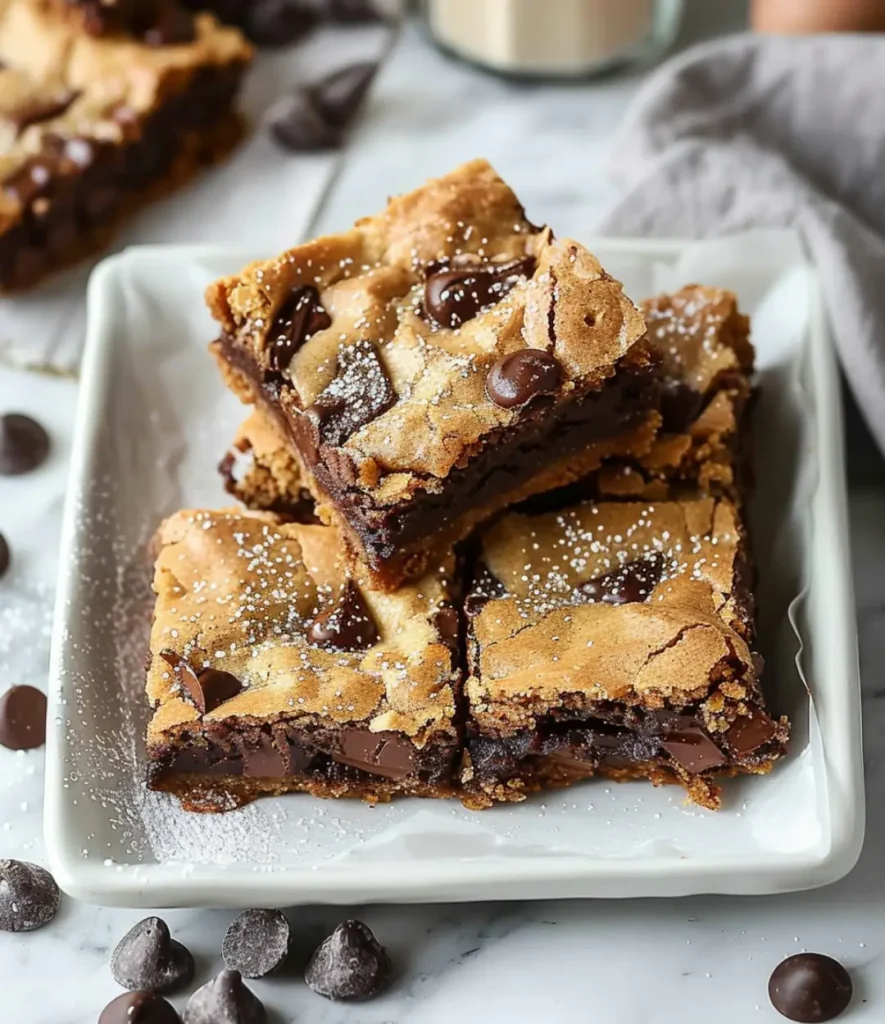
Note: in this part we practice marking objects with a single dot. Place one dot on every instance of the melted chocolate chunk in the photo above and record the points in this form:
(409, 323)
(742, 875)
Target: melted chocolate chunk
(680, 406)
(516, 379)
(633, 583)
(749, 733)
(447, 624)
(256, 942)
(453, 295)
(24, 444)
(277, 22)
(29, 897)
(139, 1008)
(298, 320)
(686, 742)
(810, 988)
(225, 1000)
(207, 689)
(386, 754)
(346, 625)
(265, 760)
(339, 95)
(23, 718)
(147, 957)
(174, 27)
(349, 965)
(360, 393)
(5, 557)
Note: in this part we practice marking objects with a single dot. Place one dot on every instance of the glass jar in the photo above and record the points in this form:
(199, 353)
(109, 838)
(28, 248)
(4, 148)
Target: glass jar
(553, 38)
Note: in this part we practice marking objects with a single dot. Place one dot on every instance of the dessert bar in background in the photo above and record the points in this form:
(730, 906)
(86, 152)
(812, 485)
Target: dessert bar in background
(437, 363)
(273, 670)
(93, 127)
(614, 638)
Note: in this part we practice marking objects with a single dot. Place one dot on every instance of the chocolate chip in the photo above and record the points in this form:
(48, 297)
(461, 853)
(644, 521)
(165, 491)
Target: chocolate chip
(24, 444)
(338, 96)
(207, 689)
(256, 943)
(633, 583)
(5, 557)
(224, 1000)
(360, 393)
(686, 742)
(386, 754)
(23, 718)
(349, 965)
(455, 294)
(810, 988)
(174, 27)
(680, 406)
(266, 760)
(277, 22)
(750, 732)
(301, 126)
(139, 1008)
(521, 376)
(29, 897)
(147, 957)
(298, 319)
(347, 625)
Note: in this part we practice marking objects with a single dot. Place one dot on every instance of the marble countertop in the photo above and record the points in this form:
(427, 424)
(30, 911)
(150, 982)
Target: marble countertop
(630, 962)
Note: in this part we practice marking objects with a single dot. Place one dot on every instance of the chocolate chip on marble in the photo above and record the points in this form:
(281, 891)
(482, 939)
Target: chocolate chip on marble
(257, 942)
(23, 718)
(347, 625)
(5, 556)
(633, 583)
(29, 897)
(174, 27)
(359, 394)
(208, 689)
(298, 319)
(139, 1008)
(24, 444)
(278, 22)
(810, 988)
(147, 957)
(454, 294)
(349, 965)
(339, 94)
(224, 1000)
(516, 379)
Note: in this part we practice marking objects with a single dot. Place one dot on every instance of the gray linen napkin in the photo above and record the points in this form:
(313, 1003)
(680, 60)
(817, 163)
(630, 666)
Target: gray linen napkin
(771, 131)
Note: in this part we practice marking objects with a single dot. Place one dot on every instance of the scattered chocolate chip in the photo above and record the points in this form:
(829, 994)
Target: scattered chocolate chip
(224, 1000)
(386, 754)
(5, 557)
(686, 742)
(339, 95)
(29, 897)
(810, 988)
(207, 689)
(521, 376)
(347, 625)
(349, 964)
(256, 943)
(174, 27)
(139, 1008)
(455, 294)
(632, 583)
(23, 718)
(298, 319)
(681, 405)
(300, 126)
(278, 22)
(24, 444)
(147, 957)
(360, 393)
(750, 732)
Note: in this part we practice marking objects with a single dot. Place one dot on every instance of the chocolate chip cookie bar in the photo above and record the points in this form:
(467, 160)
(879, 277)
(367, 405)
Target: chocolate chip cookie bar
(437, 363)
(617, 639)
(92, 128)
(273, 669)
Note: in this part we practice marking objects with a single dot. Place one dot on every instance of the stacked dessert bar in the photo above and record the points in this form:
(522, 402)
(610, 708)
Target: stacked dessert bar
(104, 105)
(492, 540)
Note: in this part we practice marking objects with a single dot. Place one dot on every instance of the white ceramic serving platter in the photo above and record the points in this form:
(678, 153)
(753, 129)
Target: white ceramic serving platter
(153, 422)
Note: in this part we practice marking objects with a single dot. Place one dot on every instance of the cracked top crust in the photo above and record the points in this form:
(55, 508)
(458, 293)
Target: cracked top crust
(239, 592)
(372, 284)
(564, 616)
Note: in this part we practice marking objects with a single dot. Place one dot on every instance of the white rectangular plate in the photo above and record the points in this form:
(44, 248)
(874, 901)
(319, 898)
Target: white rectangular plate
(153, 422)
